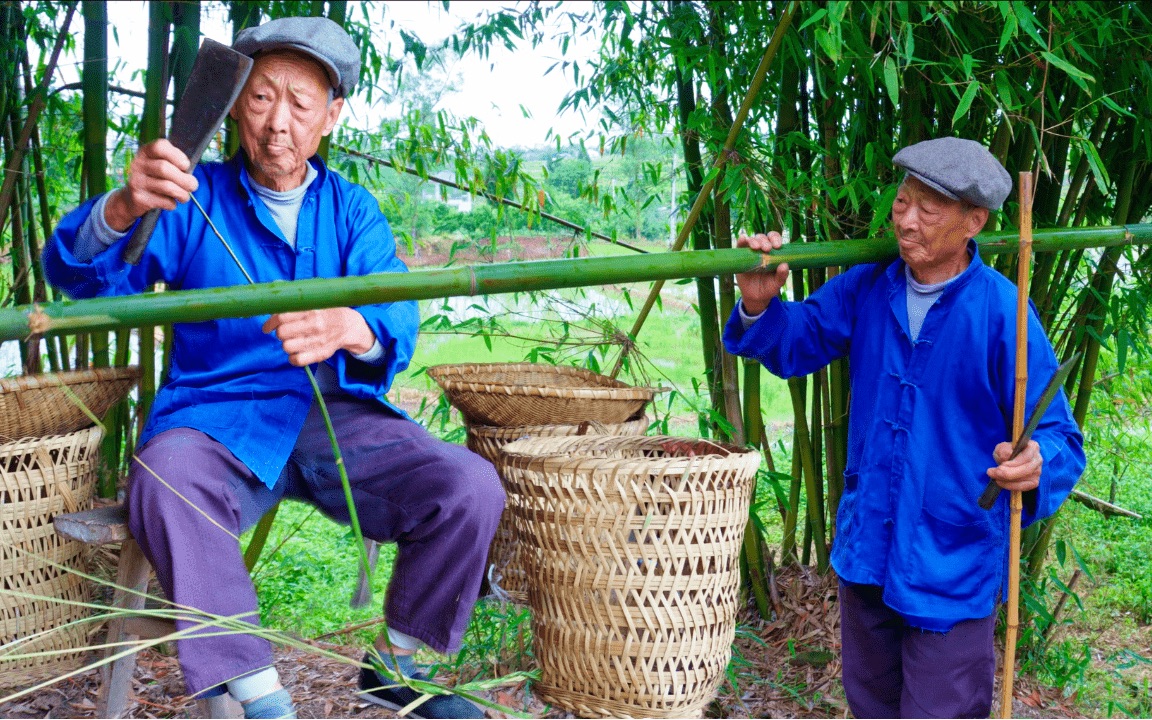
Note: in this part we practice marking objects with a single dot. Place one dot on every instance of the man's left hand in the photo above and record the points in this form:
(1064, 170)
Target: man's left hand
(313, 336)
(1021, 473)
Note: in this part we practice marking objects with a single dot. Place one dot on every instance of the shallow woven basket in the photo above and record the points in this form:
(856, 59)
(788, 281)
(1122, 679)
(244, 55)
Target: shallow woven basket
(518, 394)
(38, 479)
(633, 553)
(506, 568)
(37, 405)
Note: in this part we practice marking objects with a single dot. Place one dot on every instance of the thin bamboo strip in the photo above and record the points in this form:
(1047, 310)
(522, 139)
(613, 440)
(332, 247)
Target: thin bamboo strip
(98, 314)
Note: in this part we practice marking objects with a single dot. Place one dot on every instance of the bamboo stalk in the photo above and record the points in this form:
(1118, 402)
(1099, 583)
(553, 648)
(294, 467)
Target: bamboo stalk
(36, 104)
(1017, 502)
(107, 313)
(721, 158)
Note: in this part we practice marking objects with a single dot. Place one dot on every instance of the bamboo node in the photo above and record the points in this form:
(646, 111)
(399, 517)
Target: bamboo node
(471, 281)
(38, 321)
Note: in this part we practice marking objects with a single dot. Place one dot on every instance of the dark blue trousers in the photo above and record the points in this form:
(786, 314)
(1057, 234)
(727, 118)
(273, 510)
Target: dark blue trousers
(190, 498)
(893, 670)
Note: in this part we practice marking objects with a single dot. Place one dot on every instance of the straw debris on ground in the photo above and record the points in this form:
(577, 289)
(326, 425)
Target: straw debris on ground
(789, 667)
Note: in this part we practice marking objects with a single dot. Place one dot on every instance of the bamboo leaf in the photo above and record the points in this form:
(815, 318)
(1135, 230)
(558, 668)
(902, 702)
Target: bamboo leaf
(813, 19)
(1096, 165)
(1078, 76)
(892, 80)
(965, 101)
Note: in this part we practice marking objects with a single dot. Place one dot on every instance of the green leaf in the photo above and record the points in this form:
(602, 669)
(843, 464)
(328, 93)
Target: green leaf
(892, 80)
(814, 18)
(1078, 76)
(1096, 165)
(965, 101)
(1009, 31)
(1123, 342)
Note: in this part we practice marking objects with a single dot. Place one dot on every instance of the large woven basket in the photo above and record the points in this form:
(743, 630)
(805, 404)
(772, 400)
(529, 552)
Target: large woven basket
(38, 479)
(38, 405)
(506, 569)
(633, 549)
(518, 394)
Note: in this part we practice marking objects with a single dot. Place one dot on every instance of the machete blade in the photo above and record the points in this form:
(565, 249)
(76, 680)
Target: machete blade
(218, 75)
(992, 490)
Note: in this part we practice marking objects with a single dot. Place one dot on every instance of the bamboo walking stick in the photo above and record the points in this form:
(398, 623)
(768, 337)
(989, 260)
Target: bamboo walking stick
(1017, 503)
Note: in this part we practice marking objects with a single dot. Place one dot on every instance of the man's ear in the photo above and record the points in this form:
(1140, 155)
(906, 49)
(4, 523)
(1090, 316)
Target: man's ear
(333, 114)
(976, 219)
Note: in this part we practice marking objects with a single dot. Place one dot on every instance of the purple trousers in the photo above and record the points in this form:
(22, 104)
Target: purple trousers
(893, 670)
(439, 502)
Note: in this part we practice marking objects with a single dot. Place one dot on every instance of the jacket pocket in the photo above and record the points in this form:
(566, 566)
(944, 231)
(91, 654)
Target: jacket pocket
(954, 561)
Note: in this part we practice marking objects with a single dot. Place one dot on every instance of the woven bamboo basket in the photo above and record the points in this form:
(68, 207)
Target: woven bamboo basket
(507, 571)
(633, 549)
(38, 405)
(39, 478)
(519, 394)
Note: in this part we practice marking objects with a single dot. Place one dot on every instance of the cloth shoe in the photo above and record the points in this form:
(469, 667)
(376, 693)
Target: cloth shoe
(276, 704)
(391, 694)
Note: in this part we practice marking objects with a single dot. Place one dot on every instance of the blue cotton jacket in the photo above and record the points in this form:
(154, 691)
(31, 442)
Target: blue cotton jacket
(924, 419)
(227, 378)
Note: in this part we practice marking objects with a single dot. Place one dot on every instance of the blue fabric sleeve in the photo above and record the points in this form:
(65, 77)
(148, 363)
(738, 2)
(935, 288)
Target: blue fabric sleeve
(95, 235)
(106, 273)
(371, 249)
(797, 338)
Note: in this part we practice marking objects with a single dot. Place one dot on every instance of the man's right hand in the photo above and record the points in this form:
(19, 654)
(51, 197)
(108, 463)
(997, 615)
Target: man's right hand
(158, 177)
(758, 288)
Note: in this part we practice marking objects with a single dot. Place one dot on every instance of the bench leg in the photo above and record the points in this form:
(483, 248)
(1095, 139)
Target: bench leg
(133, 572)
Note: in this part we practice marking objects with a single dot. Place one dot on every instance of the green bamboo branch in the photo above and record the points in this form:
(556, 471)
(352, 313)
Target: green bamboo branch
(100, 314)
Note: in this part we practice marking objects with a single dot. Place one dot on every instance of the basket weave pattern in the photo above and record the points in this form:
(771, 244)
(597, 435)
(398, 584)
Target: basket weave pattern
(518, 394)
(37, 405)
(40, 478)
(504, 552)
(632, 548)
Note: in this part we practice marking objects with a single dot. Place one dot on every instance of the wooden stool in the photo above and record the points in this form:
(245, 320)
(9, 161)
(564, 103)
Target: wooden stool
(106, 525)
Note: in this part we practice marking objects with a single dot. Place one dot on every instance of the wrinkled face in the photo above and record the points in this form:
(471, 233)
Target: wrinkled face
(282, 114)
(933, 230)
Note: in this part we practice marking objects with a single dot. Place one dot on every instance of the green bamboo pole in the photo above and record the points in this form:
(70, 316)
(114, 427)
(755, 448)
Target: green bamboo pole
(185, 43)
(108, 313)
(94, 78)
(721, 158)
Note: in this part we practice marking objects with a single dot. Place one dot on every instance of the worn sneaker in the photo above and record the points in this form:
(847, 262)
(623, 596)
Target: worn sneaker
(391, 694)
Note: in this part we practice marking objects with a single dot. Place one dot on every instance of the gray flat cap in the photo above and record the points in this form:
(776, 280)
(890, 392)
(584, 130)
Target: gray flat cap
(317, 37)
(959, 169)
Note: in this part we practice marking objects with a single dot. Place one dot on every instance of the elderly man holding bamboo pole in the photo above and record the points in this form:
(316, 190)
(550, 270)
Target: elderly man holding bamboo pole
(930, 341)
(235, 428)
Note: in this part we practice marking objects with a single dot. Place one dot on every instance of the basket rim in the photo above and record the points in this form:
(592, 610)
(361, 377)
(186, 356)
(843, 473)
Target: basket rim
(70, 377)
(512, 453)
(32, 441)
(608, 388)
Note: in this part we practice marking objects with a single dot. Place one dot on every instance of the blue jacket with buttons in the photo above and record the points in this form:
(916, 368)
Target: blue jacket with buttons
(227, 378)
(924, 418)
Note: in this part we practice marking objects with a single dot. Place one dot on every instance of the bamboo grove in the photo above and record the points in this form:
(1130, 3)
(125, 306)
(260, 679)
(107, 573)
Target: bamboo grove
(1062, 88)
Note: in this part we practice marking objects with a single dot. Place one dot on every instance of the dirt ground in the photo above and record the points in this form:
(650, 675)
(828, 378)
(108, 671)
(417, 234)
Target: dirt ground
(786, 668)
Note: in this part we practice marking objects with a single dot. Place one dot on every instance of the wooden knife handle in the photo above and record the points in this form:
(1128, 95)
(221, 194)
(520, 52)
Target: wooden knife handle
(140, 237)
(989, 496)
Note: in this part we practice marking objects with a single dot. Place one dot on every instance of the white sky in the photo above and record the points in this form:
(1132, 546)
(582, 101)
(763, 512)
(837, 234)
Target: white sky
(492, 89)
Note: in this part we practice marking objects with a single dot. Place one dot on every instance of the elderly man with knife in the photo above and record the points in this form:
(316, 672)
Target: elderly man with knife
(234, 428)
(930, 342)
